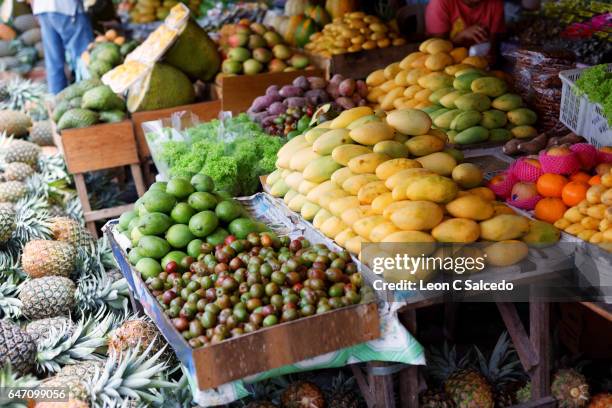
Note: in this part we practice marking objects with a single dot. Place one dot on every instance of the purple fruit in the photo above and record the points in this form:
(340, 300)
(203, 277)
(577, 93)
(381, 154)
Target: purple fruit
(347, 87)
(296, 102)
(317, 82)
(288, 91)
(316, 97)
(260, 103)
(268, 120)
(301, 82)
(336, 79)
(345, 103)
(332, 90)
(362, 88)
(277, 108)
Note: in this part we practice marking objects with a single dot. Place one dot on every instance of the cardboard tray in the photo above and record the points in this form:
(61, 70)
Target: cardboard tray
(265, 349)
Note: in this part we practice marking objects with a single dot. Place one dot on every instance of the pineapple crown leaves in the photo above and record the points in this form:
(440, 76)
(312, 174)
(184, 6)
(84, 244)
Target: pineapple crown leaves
(10, 267)
(442, 362)
(129, 375)
(63, 347)
(9, 379)
(503, 366)
(19, 94)
(96, 290)
(31, 219)
(10, 305)
(179, 396)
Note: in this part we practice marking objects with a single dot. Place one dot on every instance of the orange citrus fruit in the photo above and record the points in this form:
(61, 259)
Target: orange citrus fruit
(550, 184)
(574, 192)
(595, 180)
(580, 176)
(550, 209)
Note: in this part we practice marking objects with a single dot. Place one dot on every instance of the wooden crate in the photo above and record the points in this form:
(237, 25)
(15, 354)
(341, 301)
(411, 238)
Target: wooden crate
(266, 349)
(205, 111)
(100, 147)
(238, 92)
(358, 65)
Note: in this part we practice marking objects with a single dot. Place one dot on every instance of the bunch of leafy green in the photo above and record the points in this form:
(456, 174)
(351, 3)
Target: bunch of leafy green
(596, 84)
(233, 152)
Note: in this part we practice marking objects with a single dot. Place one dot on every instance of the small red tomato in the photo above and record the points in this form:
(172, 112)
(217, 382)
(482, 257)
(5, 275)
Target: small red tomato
(229, 239)
(171, 267)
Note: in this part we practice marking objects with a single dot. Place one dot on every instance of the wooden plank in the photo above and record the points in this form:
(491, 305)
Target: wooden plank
(409, 377)
(358, 65)
(284, 344)
(524, 348)
(363, 385)
(539, 332)
(107, 213)
(382, 388)
(205, 111)
(138, 179)
(81, 187)
(99, 147)
(239, 91)
(602, 309)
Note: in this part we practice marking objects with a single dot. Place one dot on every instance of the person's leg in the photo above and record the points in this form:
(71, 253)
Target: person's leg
(79, 36)
(54, 53)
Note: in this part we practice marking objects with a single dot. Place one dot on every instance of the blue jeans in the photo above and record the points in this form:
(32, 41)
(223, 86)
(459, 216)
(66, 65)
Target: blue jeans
(60, 34)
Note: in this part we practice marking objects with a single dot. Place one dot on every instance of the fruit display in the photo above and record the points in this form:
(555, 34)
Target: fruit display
(568, 186)
(234, 153)
(87, 103)
(365, 178)
(251, 48)
(21, 45)
(148, 11)
(288, 110)
(14, 123)
(354, 31)
(409, 83)
(106, 52)
(300, 21)
(217, 273)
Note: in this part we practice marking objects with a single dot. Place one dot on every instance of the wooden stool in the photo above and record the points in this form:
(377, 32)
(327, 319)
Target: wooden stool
(100, 147)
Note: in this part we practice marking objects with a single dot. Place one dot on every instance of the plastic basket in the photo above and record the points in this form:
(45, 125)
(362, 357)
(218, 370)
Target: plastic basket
(573, 111)
(581, 116)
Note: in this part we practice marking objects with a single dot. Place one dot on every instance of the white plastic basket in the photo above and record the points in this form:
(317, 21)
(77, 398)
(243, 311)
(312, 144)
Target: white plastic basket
(573, 111)
(581, 116)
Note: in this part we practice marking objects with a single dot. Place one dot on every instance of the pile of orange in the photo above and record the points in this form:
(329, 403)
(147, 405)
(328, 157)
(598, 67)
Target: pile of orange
(560, 193)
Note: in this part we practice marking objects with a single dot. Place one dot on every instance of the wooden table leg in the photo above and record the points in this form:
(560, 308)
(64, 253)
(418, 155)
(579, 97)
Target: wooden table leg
(81, 187)
(409, 377)
(382, 388)
(539, 334)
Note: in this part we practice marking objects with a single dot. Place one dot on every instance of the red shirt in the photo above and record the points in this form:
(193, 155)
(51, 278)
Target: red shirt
(453, 16)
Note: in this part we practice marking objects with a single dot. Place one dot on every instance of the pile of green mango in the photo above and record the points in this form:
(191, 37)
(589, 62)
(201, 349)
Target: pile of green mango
(479, 108)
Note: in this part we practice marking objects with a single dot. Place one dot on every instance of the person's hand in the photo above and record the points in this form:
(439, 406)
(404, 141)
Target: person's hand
(473, 35)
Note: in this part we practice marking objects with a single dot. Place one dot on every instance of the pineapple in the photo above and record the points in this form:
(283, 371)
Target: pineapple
(603, 400)
(134, 334)
(19, 94)
(42, 133)
(42, 329)
(344, 393)
(69, 230)
(16, 348)
(71, 403)
(464, 385)
(14, 123)
(12, 191)
(48, 296)
(17, 171)
(435, 399)
(570, 389)
(86, 369)
(22, 151)
(76, 386)
(9, 379)
(523, 394)
(302, 394)
(48, 258)
(97, 290)
(7, 223)
(10, 306)
(128, 374)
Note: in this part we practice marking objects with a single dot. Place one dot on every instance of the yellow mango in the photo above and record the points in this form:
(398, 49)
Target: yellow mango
(293, 145)
(372, 133)
(590, 223)
(353, 184)
(436, 80)
(423, 95)
(478, 62)
(471, 206)
(393, 166)
(432, 187)
(375, 94)
(424, 44)
(440, 163)
(294, 180)
(305, 187)
(594, 193)
(386, 103)
(279, 189)
(419, 62)
(326, 199)
(604, 225)
(332, 227)
(411, 91)
(388, 86)
(273, 177)
(314, 194)
(459, 54)
(402, 175)
(391, 208)
(457, 230)
(409, 121)
(297, 202)
(415, 74)
(391, 70)
(337, 207)
(321, 216)
(367, 163)
(575, 229)
(417, 216)
(341, 175)
(365, 225)
(313, 134)
(586, 234)
(409, 59)
(289, 196)
(351, 215)
(376, 78)
(370, 191)
(348, 116)
(453, 69)
(325, 144)
(401, 78)
(381, 202)
(596, 238)
(504, 227)
(438, 45)
(344, 153)
(424, 145)
(353, 245)
(309, 210)
(506, 253)
(437, 62)
(382, 230)
(344, 236)
(573, 215)
(562, 223)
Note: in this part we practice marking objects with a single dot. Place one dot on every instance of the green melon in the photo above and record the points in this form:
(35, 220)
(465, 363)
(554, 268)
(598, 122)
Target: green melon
(164, 87)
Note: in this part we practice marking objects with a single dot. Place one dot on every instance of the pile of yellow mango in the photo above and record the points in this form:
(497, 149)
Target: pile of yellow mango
(368, 178)
(409, 82)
